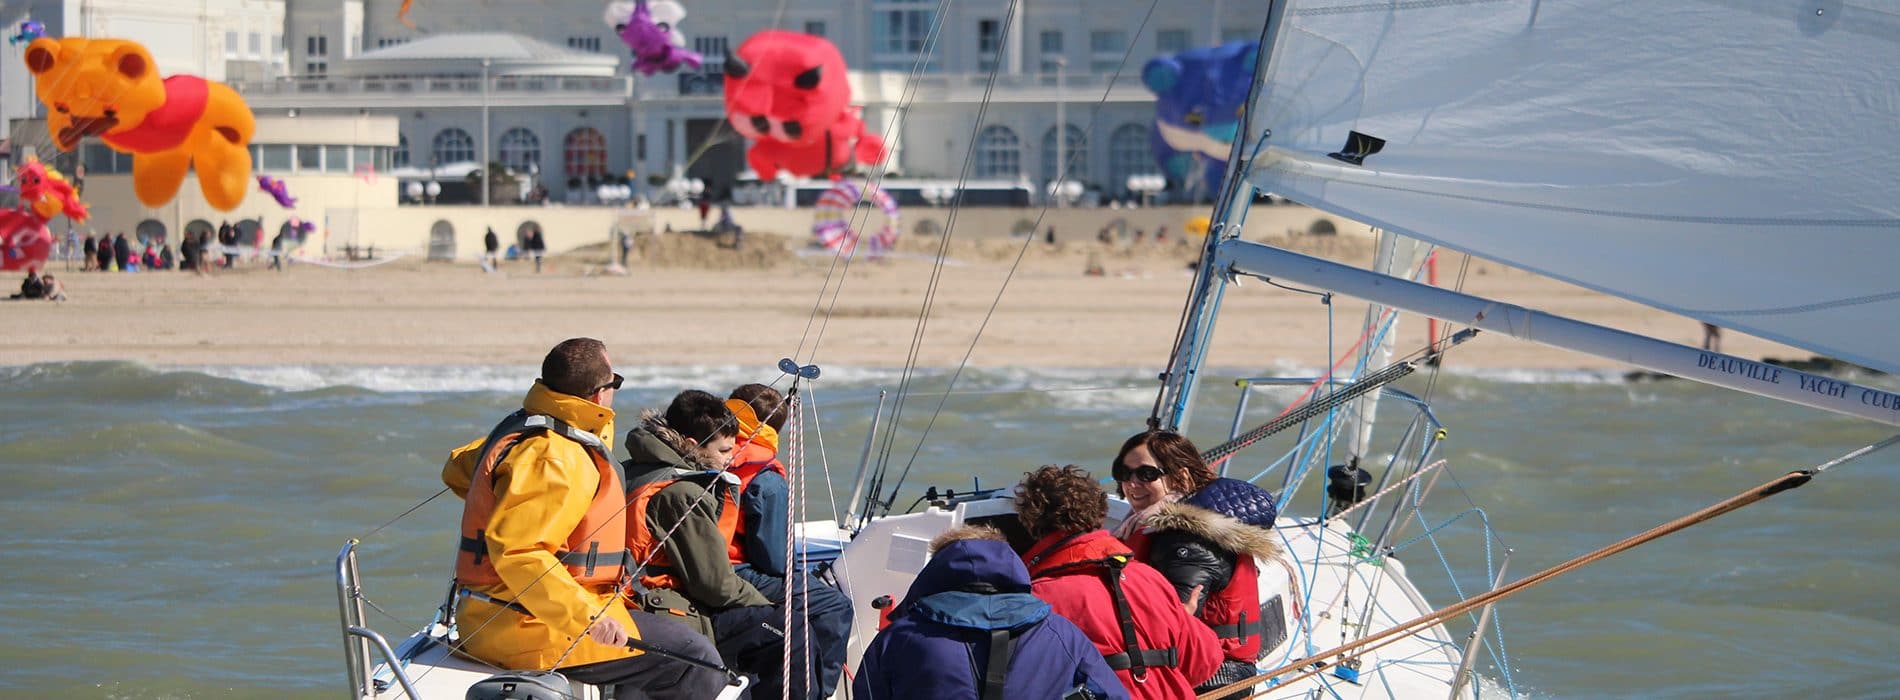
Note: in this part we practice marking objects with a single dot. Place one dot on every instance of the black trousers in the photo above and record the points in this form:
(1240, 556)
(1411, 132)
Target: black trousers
(654, 676)
(830, 626)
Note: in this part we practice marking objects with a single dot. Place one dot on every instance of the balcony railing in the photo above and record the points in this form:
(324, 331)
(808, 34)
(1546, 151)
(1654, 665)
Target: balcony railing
(503, 87)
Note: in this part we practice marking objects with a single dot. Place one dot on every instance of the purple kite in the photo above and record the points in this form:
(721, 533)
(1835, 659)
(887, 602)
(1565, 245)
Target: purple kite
(276, 189)
(650, 30)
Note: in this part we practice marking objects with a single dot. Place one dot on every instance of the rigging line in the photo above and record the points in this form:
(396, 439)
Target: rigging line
(1062, 133)
(412, 509)
(936, 274)
(1318, 663)
(1438, 368)
(1389, 489)
(860, 214)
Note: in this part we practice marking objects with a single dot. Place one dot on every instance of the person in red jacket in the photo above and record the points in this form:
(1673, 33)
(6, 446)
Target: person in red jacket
(1206, 535)
(1157, 649)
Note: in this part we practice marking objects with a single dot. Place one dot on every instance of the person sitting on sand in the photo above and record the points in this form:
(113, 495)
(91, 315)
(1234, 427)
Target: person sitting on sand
(55, 290)
(32, 287)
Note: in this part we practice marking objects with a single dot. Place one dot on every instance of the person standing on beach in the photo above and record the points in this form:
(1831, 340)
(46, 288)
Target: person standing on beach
(122, 252)
(541, 488)
(491, 246)
(91, 250)
(104, 263)
(537, 247)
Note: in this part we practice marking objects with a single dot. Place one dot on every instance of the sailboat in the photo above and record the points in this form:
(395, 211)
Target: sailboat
(1720, 160)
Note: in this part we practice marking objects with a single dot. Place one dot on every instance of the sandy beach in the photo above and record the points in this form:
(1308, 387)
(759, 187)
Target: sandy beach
(686, 302)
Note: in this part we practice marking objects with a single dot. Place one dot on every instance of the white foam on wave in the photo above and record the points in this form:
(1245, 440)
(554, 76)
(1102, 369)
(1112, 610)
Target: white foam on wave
(1083, 388)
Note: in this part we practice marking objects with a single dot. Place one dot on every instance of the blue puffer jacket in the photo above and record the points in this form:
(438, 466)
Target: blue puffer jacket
(938, 644)
(1237, 499)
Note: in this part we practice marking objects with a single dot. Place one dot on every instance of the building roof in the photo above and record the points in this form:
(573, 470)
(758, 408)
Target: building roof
(507, 54)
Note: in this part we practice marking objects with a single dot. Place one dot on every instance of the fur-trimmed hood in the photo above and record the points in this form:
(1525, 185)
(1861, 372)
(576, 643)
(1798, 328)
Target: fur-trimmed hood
(1224, 531)
(655, 450)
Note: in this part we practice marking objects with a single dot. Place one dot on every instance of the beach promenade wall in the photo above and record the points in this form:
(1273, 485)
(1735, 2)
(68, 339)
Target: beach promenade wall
(409, 228)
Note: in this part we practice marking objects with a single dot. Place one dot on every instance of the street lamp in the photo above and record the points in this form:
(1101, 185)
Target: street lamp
(1062, 123)
(1147, 186)
(414, 190)
(486, 185)
(433, 189)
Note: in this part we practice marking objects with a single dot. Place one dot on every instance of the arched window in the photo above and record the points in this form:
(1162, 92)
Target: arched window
(1128, 154)
(998, 152)
(1077, 154)
(586, 152)
(520, 148)
(453, 145)
(401, 156)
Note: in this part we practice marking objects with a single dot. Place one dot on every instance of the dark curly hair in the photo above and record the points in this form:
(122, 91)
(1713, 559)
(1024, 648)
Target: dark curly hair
(1060, 499)
(1179, 460)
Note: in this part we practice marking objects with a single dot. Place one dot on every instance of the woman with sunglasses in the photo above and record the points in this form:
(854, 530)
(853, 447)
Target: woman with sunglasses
(1202, 532)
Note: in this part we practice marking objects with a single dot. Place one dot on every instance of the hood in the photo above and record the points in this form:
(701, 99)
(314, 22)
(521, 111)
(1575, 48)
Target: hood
(1224, 531)
(655, 451)
(975, 584)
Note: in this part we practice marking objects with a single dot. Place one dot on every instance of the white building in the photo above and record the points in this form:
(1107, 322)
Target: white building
(544, 85)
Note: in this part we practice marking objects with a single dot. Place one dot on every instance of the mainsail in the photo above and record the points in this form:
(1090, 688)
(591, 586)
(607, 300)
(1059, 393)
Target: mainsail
(1735, 161)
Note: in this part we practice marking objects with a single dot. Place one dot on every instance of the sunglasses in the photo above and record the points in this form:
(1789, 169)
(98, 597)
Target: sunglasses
(1147, 473)
(615, 384)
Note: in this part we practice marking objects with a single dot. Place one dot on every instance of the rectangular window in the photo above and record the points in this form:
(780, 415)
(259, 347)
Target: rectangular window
(584, 43)
(1051, 41)
(640, 147)
(712, 49)
(276, 157)
(277, 43)
(317, 45)
(1106, 48)
(1171, 41)
(309, 158)
(814, 28)
(898, 30)
(317, 68)
(230, 44)
(257, 44)
(336, 159)
(362, 158)
(988, 41)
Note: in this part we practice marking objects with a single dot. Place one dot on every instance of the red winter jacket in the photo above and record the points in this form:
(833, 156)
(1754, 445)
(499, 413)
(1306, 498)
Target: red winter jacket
(1080, 593)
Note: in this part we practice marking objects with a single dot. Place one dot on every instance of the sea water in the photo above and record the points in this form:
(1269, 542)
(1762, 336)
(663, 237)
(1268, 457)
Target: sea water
(172, 531)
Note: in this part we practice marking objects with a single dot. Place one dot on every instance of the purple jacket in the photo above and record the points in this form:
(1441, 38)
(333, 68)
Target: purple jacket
(938, 644)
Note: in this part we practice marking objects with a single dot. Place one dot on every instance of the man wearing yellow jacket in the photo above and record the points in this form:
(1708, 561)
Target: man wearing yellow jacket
(543, 543)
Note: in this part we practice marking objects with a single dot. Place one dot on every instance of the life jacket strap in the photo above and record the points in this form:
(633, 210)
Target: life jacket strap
(589, 560)
(997, 673)
(1242, 629)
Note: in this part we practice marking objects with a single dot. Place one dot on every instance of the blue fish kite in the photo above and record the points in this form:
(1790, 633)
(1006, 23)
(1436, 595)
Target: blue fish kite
(1199, 95)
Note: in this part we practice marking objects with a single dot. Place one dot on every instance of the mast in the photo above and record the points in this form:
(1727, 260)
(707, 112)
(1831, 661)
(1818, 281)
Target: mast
(1197, 320)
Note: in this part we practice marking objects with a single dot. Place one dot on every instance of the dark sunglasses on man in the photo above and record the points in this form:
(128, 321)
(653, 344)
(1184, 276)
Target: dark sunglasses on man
(615, 384)
(1147, 473)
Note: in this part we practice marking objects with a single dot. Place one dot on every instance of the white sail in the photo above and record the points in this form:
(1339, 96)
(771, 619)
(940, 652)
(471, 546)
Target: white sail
(1733, 161)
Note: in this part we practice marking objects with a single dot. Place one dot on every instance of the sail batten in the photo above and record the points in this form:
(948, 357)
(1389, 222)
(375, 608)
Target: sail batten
(1736, 162)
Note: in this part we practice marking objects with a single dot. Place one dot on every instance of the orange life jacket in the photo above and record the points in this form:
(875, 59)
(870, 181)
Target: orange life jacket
(753, 459)
(591, 553)
(643, 543)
